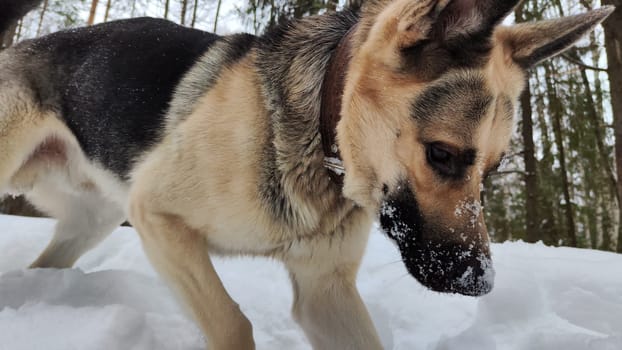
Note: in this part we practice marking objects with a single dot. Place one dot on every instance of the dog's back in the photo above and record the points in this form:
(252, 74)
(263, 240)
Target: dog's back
(77, 109)
(111, 83)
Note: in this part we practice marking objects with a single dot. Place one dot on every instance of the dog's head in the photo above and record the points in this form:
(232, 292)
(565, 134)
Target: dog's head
(428, 111)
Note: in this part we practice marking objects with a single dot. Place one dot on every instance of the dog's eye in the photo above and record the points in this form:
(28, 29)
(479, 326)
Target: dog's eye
(442, 158)
(448, 161)
(439, 155)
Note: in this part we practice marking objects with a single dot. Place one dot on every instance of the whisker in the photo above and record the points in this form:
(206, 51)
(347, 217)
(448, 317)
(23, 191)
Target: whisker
(397, 280)
(389, 263)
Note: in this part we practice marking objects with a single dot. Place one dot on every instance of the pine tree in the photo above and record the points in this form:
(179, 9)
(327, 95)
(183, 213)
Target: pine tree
(613, 43)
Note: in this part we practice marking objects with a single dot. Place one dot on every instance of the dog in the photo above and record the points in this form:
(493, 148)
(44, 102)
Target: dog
(287, 145)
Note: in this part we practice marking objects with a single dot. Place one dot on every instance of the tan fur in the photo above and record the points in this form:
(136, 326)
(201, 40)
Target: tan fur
(205, 153)
(231, 220)
(41, 158)
(379, 150)
(210, 201)
(401, 24)
(205, 158)
(16, 137)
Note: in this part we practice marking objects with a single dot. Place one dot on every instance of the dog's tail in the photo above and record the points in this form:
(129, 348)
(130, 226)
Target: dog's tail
(12, 10)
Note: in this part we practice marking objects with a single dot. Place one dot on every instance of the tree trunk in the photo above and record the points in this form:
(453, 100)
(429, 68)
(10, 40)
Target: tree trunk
(166, 6)
(555, 106)
(20, 27)
(218, 15)
(108, 4)
(331, 5)
(43, 11)
(531, 171)
(194, 13)
(273, 20)
(184, 8)
(596, 121)
(355, 4)
(548, 202)
(613, 44)
(92, 13)
(606, 227)
(592, 226)
(256, 24)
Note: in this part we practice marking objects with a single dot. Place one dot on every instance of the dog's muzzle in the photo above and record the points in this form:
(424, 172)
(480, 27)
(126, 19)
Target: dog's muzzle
(441, 258)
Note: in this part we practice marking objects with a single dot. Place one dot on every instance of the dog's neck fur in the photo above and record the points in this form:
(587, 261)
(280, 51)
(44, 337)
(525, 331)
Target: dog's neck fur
(291, 63)
(332, 95)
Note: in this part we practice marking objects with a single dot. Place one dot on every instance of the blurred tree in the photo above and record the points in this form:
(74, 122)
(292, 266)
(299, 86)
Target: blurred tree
(194, 13)
(42, 16)
(93, 12)
(107, 14)
(217, 15)
(184, 8)
(613, 44)
(355, 4)
(529, 157)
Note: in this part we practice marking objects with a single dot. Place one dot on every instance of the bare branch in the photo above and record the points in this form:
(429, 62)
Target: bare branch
(508, 172)
(579, 63)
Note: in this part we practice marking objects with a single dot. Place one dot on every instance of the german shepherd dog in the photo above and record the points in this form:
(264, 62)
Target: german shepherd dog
(287, 146)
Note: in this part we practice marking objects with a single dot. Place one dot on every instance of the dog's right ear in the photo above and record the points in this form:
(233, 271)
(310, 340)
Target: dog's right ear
(527, 44)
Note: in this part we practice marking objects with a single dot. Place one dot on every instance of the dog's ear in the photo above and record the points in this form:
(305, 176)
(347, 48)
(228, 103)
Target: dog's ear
(527, 44)
(471, 18)
(447, 20)
(425, 38)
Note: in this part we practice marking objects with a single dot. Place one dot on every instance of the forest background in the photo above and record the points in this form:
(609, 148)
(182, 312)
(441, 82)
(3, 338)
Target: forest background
(561, 183)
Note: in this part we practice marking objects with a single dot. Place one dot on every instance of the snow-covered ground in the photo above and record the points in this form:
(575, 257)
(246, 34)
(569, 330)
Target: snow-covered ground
(545, 298)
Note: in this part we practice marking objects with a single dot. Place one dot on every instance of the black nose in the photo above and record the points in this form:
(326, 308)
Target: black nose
(438, 257)
(450, 268)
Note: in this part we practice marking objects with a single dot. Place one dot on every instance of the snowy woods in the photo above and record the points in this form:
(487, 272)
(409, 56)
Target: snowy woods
(559, 184)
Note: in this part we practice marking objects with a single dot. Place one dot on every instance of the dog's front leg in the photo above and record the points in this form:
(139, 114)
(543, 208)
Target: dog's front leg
(327, 304)
(180, 254)
(330, 310)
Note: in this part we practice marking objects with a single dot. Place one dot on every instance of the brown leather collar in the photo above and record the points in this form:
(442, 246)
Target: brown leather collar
(330, 113)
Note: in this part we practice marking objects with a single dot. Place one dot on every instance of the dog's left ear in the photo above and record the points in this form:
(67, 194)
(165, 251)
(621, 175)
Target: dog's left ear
(527, 44)
(444, 22)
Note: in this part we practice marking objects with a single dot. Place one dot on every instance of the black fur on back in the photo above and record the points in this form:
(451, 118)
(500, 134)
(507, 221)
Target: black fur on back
(12, 10)
(112, 83)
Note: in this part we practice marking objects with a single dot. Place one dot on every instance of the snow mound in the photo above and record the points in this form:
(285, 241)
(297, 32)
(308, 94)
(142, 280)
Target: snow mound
(544, 298)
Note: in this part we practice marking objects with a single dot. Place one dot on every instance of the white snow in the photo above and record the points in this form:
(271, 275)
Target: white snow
(544, 298)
